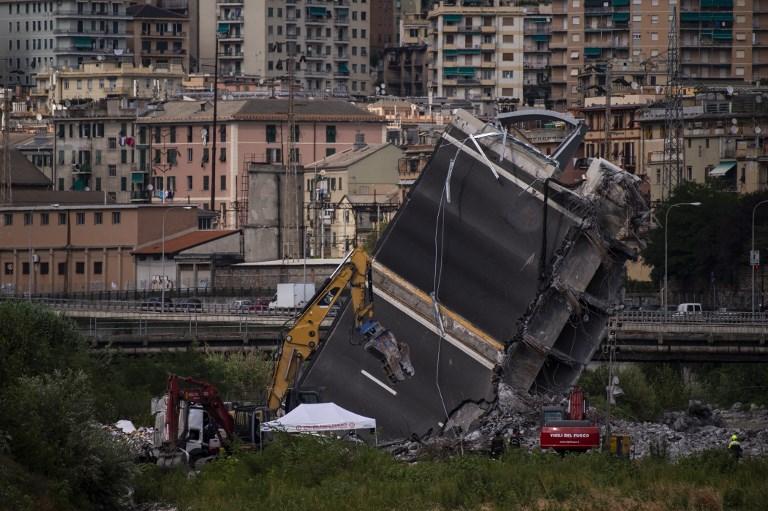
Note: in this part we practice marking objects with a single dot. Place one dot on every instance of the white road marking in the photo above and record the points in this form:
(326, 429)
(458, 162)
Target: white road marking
(378, 382)
(432, 328)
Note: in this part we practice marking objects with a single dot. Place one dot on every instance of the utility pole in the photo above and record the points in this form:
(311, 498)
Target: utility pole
(608, 119)
(215, 112)
(6, 195)
(290, 163)
(672, 173)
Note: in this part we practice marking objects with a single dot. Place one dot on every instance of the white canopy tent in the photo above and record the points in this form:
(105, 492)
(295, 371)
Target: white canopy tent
(317, 417)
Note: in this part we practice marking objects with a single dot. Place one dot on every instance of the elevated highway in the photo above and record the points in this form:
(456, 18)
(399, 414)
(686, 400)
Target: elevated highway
(141, 327)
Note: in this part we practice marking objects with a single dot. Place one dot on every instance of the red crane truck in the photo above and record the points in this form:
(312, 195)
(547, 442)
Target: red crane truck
(566, 428)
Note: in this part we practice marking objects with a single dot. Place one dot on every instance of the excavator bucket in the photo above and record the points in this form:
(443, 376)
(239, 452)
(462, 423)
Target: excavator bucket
(493, 270)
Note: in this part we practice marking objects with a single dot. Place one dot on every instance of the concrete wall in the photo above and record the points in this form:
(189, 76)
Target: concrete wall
(271, 233)
(267, 277)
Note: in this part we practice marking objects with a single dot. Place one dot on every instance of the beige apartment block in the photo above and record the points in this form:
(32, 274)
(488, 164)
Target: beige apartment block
(79, 248)
(623, 128)
(159, 38)
(94, 148)
(349, 196)
(330, 42)
(724, 142)
(477, 53)
(98, 80)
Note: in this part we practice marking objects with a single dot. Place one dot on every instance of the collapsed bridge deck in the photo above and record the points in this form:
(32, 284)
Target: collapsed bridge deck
(492, 269)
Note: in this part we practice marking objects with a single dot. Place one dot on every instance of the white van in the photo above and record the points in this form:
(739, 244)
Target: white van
(685, 309)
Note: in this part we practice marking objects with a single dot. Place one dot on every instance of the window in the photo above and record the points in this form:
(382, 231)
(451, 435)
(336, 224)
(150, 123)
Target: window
(635, 36)
(44, 219)
(112, 170)
(80, 218)
(98, 267)
(44, 268)
(654, 19)
(329, 151)
(190, 154)
(330, 134)
(296, 133)
(27, 218)
(189, 134)
(206, 183)
(115, 217)
(173, 134)
(8, 268)
(112, 142)
(80, 267)
(654, 36)
(223, 154)
(62, 269)
(271, 133)
(25, 268)
(576, 20)
(222, 183)
(223, 134)
(8, 219)
(62, 219)
(507, 74)
(189, 182)
(123, 184)
(98, 218)
(206, 153)
(508, 57)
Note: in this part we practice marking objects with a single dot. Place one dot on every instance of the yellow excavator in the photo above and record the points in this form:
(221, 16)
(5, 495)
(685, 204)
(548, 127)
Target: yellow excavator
(304, 336)
(301, 341)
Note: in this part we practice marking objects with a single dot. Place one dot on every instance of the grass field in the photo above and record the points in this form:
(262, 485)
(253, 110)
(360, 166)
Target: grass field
(304, 473)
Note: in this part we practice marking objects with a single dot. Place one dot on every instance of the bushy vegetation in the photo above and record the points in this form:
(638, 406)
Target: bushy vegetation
(651, 389)
(53, 452)
(309, 473)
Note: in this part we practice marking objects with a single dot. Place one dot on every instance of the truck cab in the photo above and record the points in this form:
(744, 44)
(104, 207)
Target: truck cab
(689, 309)
(566, 427)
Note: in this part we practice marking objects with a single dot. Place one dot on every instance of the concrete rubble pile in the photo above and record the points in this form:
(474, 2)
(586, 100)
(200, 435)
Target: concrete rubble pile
(493, 270)
(677, 435)
(137, 440)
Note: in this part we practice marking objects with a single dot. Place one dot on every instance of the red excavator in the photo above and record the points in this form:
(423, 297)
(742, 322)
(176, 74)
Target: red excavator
(190, 420)
(566, 428)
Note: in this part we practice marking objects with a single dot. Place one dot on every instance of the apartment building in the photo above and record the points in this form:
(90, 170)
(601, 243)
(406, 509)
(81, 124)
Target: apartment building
(405, 65)
(329, 41)
(623, 129)
(476, 49)
(724, 141)
(630, 35)
(39, 35)
(159, 37)
(99, 80)
(349, 195)
(175, 144)
(94, 148)
(537, 30)
(57, 248)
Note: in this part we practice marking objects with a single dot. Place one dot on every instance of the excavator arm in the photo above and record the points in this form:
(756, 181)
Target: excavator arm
(304, 337)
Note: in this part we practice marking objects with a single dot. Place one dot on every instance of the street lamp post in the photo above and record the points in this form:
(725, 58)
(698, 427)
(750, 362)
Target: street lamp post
(162, 258)
(666, 236)
(754, 210)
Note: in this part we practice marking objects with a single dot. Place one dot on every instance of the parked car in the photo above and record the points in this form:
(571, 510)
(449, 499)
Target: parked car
(260, 304)
(241, 305)
(188, 305)
(152, 304)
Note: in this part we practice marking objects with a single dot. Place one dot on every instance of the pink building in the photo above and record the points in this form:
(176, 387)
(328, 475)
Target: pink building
(175, 145)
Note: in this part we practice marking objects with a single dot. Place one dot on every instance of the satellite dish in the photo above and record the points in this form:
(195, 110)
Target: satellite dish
(39, 117)
(734, 130)
(150, 187)
(635, 85)
(758, 130)
(734, 121)
(322, 172)
(729, 90)
(658, 89)
(67, 103)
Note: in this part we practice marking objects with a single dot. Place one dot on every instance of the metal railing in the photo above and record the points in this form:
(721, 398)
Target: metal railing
(708, 318)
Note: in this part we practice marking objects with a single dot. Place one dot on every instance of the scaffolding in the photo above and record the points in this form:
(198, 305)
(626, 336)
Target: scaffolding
(672, 170)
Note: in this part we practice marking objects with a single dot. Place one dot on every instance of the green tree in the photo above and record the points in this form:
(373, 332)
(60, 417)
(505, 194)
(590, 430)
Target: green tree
(703, 242)
(241, 376)
(34, 341)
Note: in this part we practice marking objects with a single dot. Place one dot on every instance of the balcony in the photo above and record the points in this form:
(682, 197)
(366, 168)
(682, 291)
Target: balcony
(162, 35)
(230, 36)
(73, 13)
(141, 196)
(232, 55)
